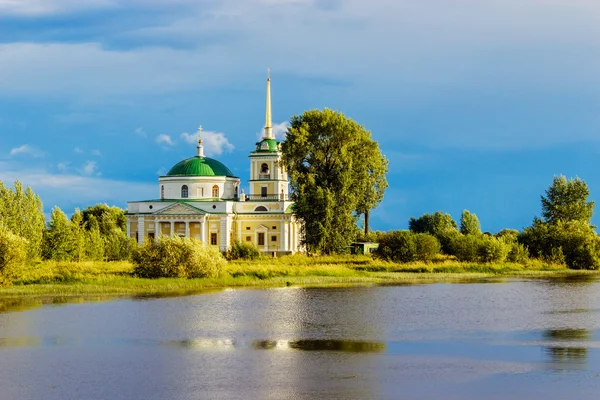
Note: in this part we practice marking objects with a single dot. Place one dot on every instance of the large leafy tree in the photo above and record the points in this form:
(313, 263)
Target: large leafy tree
(337, 172)
(469, 224)
(566, 200)
(108, 218)
(59, 243)
(22, 213)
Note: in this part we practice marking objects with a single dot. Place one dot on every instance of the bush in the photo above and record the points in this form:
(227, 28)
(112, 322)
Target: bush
(518, 253)
(171, 257)
(492, 249)
(13, 253)
(427, 246)
(398, 246)
(465, 247)
(243, 251)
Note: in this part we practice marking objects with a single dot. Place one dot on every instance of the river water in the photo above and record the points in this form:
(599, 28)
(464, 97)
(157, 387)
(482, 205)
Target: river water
(508, 339)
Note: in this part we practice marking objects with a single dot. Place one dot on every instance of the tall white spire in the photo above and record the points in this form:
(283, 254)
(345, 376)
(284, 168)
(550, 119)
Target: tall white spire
(268, 120)
(200, 147)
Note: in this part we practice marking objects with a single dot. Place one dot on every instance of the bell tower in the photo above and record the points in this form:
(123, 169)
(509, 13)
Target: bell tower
(268, 177)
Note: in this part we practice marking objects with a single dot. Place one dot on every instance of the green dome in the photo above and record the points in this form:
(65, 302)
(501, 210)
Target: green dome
(200, 166)
(267, 145)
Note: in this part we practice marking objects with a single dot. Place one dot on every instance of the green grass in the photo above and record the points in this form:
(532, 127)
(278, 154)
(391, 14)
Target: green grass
(51, 278)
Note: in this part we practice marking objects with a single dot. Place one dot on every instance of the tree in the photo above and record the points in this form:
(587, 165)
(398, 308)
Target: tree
(331, 180)
(22, 213)
(78, 236)
(375, 168)
(58, 240)
(13, 253)
(117, 217)
(438, 224)
(566, 200)
(469, 224)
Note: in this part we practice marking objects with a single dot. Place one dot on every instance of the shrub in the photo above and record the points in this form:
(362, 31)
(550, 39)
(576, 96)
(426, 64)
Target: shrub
(13, 253)
(170, 257)
(399, 246)
(465, 247)
(427, 246)
(243, 250)
(492, 249)
(518, 253)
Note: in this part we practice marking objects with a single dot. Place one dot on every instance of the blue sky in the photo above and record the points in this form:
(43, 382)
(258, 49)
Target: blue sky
(476, 103)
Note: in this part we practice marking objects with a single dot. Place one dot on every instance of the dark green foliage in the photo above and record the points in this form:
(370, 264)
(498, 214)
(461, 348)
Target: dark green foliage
(170, 257)
(480, 248)
(438, 224)
(243, 251)
(406, 246)
(574, 242)
(508, 235)
(465, 248)
(336, 172)
(566, 200)
(427, 246)
(398, 246)
(518, 253)
(469, 224)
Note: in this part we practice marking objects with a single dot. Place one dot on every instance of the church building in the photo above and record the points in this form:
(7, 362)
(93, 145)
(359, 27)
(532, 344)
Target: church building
(200, 197)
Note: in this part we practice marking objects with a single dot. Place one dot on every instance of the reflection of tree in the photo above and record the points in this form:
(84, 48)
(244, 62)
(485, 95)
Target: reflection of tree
(567, 357)
(567, 334)
(351, 346)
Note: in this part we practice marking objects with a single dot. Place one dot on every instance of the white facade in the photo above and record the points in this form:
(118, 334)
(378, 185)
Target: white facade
(208, 204)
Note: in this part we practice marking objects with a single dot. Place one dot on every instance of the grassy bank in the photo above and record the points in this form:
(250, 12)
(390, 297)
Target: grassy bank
(58, 279)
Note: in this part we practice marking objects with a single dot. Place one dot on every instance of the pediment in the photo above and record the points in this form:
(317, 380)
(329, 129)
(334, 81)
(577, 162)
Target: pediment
(179, 209)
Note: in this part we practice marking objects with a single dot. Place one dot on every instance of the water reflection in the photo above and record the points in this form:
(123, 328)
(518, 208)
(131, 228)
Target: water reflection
(350, 346)
(570, 356)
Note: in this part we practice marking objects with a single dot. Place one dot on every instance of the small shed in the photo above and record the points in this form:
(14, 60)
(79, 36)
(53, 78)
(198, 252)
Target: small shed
(363, 247)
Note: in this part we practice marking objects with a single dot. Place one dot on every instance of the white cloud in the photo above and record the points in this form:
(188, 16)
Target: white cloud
(26, 150)
(214, 142)
(279, 131)
(78, 150)
(140, 132)
(96, 153)
(164, 139)
(68, 190)
(49, 7)
(90, 167)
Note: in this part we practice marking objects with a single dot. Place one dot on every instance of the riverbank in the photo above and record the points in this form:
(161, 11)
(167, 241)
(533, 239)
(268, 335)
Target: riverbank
(58, 279)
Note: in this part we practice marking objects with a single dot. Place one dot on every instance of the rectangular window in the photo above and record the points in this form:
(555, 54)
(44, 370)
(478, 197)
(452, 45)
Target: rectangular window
(261, 239)
(273, 238)
(273, 227)
(247, 228)
(213, 239)
(263, 191)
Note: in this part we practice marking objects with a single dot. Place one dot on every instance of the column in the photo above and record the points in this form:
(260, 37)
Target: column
(128, 228)
(187, 228)
(239, 230)
(141, 230)
(203, 230)
(172, 232)
(293, 237)
(156, 228)
(284, 236)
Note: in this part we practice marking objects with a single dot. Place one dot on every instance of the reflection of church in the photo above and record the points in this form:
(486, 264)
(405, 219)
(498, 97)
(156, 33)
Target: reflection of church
(199, 197)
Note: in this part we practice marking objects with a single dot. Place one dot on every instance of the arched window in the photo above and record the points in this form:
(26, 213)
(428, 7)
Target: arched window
(215, 192)
(264, 172)
(162, 192)
(261, 208)
(236, 191)
(184, 192)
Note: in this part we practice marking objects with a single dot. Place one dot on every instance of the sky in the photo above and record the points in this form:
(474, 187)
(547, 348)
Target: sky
(477, 104)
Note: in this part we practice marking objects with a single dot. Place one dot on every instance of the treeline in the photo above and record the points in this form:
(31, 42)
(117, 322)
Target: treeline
(563, 234)
(96, 233)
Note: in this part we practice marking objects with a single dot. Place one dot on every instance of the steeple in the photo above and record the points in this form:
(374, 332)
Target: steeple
(268, 120)
(200, 146)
